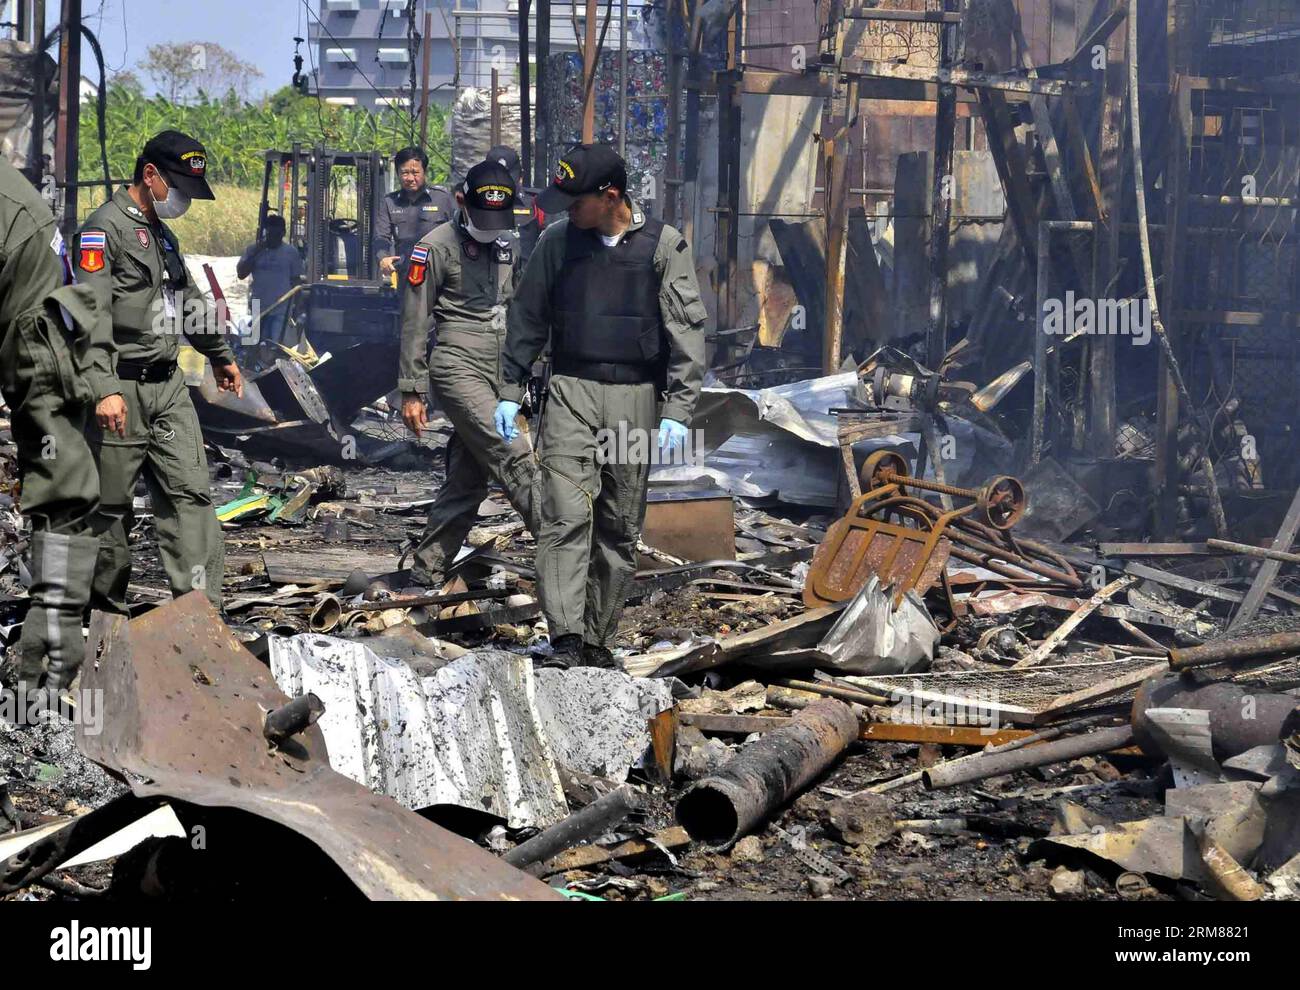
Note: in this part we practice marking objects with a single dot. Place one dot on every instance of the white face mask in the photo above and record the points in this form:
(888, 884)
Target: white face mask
(173, 206)
(482, 236)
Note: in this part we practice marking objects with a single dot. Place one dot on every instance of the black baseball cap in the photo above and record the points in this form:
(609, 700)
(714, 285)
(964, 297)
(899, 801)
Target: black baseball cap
(490, 196)
(182, 161)
(506, 156)
(584, 168)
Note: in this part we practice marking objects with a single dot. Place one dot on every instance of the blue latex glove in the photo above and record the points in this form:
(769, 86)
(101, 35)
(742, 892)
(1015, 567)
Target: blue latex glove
(672, 434)
(505, 419)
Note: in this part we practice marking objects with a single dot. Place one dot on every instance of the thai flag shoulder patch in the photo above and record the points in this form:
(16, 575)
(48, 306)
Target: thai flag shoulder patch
(420, 255)
(92, 246)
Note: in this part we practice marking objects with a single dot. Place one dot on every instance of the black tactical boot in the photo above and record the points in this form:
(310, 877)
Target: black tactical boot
(566, 652)
(62, 570)
(598, 656)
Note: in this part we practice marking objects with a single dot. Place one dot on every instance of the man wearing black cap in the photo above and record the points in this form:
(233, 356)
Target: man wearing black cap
(615, 293)
(458, 279)
(144, 418)
(529, 219)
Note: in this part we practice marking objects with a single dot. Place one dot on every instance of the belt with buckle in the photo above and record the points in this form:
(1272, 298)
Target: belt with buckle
(146, 372)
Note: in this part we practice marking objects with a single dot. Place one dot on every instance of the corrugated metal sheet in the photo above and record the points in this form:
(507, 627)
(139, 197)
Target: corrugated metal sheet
(484, 732)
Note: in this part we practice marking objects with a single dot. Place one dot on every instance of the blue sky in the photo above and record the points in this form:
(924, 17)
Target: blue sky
(258, 31)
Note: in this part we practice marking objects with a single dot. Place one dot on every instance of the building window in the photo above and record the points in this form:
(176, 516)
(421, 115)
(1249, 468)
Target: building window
(395, 8)
(394, 56)
(343, 6)
(342, 101)
(340, 55)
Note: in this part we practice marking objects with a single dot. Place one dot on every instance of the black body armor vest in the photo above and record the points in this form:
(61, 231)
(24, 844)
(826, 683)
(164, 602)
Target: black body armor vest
(608, 326)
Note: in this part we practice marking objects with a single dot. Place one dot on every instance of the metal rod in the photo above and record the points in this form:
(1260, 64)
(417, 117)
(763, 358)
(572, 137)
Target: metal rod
(1057, 751)
(923, 16)
(1253, 551)
(1235, 650)
(593, 820)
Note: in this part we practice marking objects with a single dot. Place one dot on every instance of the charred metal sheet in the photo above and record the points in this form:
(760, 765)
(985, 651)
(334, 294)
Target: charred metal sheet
(692, 525)
(183, 707)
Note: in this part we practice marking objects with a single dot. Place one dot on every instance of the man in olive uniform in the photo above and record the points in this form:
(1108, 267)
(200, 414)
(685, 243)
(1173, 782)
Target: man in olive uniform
(616, 294)
(528, 218)
(144, 415)
(49, 401)
(409, 212)
(458, 279)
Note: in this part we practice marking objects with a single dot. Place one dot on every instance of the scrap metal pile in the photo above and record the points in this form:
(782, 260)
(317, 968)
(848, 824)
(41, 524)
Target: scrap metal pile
(905, 696)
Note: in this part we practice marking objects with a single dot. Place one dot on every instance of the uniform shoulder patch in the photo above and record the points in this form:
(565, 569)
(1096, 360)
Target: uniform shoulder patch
(142, 235)
(92, 250)
(418, 265)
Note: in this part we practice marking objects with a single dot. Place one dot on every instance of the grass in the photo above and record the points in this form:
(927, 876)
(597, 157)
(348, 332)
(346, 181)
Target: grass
(224, 226)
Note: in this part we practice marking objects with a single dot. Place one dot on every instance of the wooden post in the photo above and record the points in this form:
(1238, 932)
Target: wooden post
(672, 172)
(525, 97)
(836, 169)
(67, 131)
(494, 126)
(1101, 347)
(1167, 404)
(945, 135)
(727, 245)
(589, 76)
(542, 155)
(424, 71)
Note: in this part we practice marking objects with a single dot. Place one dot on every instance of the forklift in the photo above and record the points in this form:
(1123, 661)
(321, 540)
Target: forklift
(329, 200)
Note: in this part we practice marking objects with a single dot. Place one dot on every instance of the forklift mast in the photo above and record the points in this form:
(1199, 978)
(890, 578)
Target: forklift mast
(329, 218)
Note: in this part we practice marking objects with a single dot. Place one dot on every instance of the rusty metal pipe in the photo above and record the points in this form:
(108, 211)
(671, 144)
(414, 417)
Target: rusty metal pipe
(765, 773)
(291, 718)
(593, 820)
(996, 764)
(1233, 650)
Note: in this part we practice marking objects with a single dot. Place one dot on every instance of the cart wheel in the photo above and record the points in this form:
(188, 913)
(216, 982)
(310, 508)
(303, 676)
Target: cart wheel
(878, 466)
(1002, 502)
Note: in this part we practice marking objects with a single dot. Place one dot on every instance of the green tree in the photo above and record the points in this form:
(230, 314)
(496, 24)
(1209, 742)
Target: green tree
(182, 70)
(236, 133)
